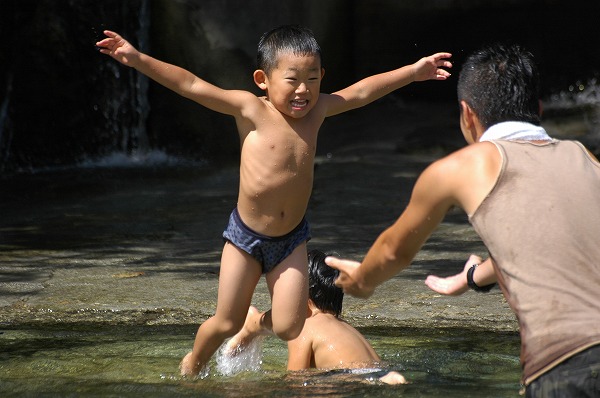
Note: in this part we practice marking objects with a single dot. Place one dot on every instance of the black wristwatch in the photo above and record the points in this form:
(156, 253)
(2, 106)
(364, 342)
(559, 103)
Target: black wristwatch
(473, 285)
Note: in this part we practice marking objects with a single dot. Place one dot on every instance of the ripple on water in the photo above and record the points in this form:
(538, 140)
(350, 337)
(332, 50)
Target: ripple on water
(134, 360)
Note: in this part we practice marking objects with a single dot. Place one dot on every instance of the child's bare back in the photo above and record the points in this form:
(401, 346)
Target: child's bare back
(330, 343)
(326, 341)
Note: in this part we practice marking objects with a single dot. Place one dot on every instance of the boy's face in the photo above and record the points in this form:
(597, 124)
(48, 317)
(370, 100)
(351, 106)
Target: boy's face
(293, 87)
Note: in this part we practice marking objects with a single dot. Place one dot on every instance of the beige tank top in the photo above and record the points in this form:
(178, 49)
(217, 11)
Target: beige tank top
(541, 225)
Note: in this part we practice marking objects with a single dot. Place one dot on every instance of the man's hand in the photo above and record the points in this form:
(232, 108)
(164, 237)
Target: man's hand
(453, 285)
(347, 280)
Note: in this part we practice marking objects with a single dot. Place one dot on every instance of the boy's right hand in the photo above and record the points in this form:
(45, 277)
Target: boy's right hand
(118, 48)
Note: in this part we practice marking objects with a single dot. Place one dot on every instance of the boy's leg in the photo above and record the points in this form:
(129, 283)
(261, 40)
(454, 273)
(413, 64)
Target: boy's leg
(238, 278)
(288, 285)
(253, 327)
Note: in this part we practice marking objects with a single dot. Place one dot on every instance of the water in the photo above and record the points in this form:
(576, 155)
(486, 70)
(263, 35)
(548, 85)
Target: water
(135, 361)
(107, 269)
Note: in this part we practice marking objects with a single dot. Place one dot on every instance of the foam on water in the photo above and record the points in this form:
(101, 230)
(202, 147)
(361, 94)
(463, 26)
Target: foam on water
(249, 359)
(143, 159)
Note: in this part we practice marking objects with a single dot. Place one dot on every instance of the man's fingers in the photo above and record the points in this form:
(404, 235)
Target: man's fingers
(433, 282)
(342, 265)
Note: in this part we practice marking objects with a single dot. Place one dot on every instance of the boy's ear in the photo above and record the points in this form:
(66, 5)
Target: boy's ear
(322, 72)
(260, 78)
(310, 307)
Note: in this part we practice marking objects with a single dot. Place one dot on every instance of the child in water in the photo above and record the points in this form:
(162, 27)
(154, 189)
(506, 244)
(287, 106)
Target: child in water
(326, 341)
(267, 231)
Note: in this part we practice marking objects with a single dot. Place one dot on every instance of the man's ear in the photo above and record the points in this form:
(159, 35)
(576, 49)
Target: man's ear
(466, 114)
(470, 122)
(260, 78)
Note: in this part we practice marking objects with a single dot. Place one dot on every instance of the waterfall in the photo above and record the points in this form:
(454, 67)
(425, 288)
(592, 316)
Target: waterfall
(126, 112)
(4, 120)
(139, 144)
(125, 104)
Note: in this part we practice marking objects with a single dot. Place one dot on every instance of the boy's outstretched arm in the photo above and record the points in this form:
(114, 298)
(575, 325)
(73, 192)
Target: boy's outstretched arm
(172, 77)
(374, 87)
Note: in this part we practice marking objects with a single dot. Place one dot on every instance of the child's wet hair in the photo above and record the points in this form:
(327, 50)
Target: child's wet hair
(321, 288)
(295, 39)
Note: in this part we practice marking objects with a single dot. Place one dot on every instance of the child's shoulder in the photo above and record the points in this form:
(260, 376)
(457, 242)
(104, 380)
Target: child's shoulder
(325, 322)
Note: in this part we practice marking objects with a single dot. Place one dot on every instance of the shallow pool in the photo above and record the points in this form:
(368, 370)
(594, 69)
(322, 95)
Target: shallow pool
(142, 361)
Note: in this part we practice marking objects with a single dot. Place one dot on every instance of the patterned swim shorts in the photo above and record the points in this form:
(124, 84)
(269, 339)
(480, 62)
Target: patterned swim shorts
(577, 376)
(267, 250)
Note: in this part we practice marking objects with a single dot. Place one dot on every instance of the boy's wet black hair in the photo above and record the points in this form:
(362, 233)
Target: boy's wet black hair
(321, 288)
(287, 38)
(501, 83)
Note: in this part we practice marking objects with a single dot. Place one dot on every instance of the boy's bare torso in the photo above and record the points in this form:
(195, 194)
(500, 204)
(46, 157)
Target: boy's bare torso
(276, 168)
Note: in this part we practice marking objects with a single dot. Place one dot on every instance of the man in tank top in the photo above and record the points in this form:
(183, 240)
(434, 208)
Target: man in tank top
(534, 202)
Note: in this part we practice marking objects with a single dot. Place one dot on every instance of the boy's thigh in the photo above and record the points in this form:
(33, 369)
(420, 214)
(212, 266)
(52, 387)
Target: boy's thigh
(288, 286)
(238, 276)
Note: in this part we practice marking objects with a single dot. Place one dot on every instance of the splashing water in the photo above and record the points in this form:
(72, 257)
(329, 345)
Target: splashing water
(578, 94)
(239, 360)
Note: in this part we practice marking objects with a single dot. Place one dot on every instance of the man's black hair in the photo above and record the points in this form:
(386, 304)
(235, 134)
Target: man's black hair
(501, 83)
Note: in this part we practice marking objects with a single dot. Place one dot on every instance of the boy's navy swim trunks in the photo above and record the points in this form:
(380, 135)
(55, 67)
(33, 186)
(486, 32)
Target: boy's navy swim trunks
(267, 250)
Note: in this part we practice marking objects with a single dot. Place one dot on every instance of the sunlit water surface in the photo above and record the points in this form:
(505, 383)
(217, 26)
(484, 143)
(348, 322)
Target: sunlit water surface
(143, 361)
(166, 220)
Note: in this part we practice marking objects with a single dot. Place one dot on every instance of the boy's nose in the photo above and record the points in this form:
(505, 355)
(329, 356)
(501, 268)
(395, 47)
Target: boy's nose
(302, 87)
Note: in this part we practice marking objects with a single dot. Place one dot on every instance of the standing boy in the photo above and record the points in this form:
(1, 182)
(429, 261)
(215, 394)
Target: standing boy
(267, 231)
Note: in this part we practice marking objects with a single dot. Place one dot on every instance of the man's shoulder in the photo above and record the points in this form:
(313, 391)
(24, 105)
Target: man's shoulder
(475, 150)
(475, 153)
(455, 178)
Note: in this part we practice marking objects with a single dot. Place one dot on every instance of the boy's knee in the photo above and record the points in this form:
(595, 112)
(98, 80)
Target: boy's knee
(229, 328)
(288, 333)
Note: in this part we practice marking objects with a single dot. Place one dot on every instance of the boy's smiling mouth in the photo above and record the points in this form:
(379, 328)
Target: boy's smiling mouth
(299, 104)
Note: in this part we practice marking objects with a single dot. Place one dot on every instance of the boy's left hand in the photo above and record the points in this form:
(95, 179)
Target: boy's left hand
(430, 68)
